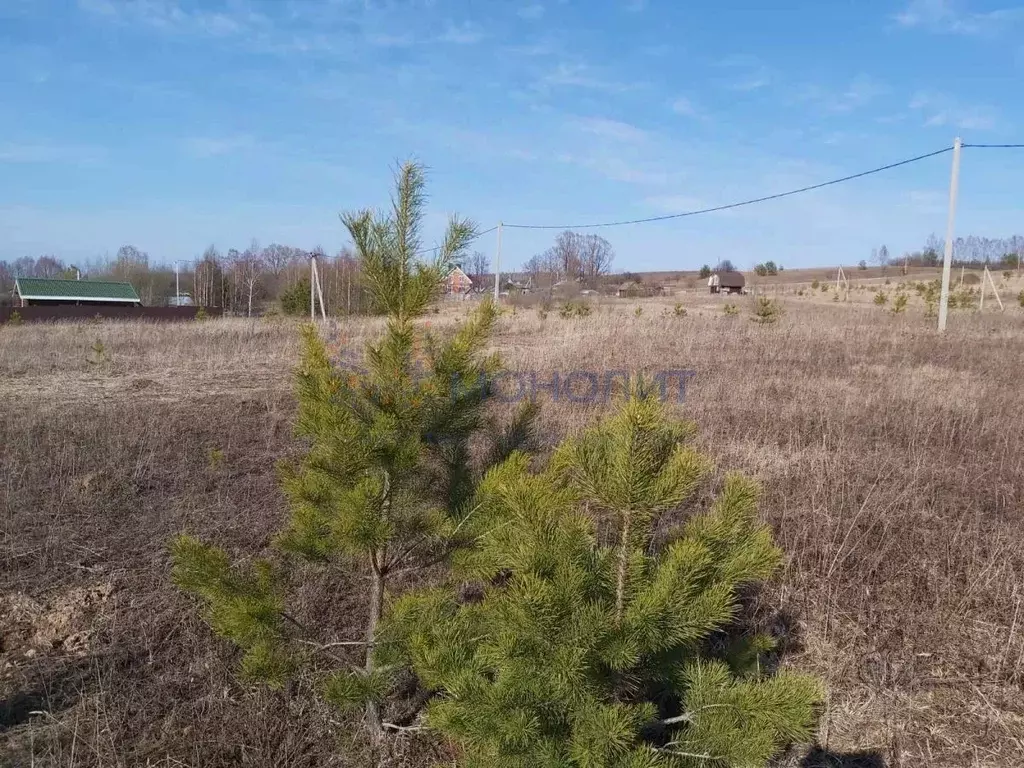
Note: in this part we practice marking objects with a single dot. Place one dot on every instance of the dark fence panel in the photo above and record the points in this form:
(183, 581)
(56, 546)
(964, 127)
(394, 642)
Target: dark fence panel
(70, 312)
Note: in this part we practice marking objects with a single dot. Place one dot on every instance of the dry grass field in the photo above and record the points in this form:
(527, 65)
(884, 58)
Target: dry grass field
(892, 462)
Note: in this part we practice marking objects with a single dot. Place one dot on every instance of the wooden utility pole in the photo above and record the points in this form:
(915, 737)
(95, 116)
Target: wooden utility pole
(497, 267)
(947, 259)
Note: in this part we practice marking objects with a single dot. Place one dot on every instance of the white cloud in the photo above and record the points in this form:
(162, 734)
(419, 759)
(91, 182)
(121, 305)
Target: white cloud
(616, 168)
(858, 93)
(207, 146)
(861, 91)
(751, 82)
(171, 16)
(386, 40)
(542, 48)
(40, 152)
(531, 12)
(940, 110)
(946, 16)
(751, 75)
(466, 33)
(582, 76)
(613, 130)
(683, 106)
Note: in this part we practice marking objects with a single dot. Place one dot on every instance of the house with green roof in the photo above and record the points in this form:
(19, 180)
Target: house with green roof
(46, 292)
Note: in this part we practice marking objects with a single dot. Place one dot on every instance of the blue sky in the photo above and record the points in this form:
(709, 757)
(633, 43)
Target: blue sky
(173, 124)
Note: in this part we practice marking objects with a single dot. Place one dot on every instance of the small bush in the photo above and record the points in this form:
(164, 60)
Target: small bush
(15, 319)
(201, 314)
(824, 287)
(731, 309)
(881, 298)
(575, 308)
(964, 298)
(1007, 275)
(1020, 299)
(766, 310)
(97, 353)
(638, 311)
(815, 284)
(295, 298)
(800, 292)
(899, 303)
(215, 458)
(679, 311)
(705, 272)
(971, 278)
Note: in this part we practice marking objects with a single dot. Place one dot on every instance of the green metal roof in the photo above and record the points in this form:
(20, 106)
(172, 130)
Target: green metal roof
(71, 290)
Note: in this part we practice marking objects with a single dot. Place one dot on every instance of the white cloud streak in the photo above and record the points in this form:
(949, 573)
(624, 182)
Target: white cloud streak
(946, 16)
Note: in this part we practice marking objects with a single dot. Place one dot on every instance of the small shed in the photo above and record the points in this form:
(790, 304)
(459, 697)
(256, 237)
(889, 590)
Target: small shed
(726, 282)
(48, 292)
(630, 288)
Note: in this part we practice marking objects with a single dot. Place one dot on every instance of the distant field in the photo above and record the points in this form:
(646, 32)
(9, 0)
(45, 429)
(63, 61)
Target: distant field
(796, 277)
(892, 462)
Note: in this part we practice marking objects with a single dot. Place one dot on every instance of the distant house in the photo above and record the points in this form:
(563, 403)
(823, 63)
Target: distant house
(457, 283)
(180, 300)
(46, 292)
(726, 282)
(633, 289)
(629, 289)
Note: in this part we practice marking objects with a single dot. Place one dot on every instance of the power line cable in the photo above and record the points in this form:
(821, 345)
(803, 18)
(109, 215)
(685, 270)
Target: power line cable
(752, 201)
(436, 248)
(993, 146)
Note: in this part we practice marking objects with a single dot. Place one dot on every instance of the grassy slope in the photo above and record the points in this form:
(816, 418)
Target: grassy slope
(892, 460)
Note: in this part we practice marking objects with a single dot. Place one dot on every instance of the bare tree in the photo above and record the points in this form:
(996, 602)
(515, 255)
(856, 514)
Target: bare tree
(596, 256)
(479, 265)
(880, 256)
(250, 267)
(565, 254)
(47, 266)
(275, 258)
(207, 274)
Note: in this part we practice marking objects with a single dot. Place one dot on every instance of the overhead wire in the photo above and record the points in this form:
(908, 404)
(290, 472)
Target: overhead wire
(739, 204)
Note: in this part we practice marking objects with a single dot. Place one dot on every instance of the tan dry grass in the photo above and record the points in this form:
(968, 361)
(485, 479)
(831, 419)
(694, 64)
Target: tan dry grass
(892, 462)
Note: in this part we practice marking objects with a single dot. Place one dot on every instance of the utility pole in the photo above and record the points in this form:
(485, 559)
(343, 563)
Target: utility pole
(497, 267)
(312, 287)
(947, 258)
(177, 288)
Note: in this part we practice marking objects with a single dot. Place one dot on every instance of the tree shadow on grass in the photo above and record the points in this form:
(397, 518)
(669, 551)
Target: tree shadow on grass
(52, 692)
(826, 758)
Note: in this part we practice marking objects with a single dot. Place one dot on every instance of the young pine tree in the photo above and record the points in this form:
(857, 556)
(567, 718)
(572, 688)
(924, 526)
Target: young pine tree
(575, 652)
(386, 479)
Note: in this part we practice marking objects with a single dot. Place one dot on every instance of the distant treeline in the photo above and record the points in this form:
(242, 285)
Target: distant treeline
(970, 251)
(238, 281)
(251, 280)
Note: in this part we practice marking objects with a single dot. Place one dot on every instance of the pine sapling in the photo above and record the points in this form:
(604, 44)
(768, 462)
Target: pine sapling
(573, 635)
(386, 481)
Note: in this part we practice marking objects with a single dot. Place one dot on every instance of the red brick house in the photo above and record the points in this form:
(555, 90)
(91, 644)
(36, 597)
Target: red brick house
(457, 283)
